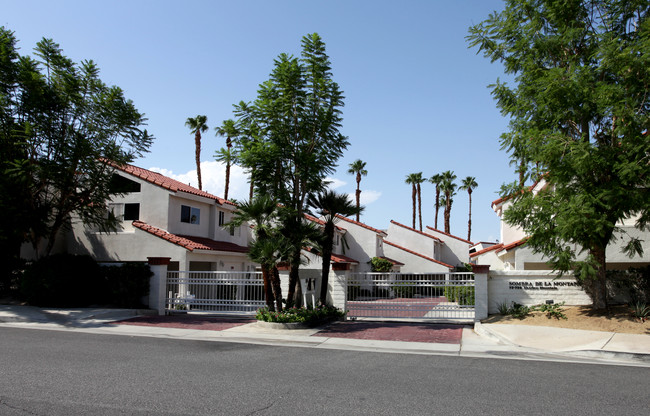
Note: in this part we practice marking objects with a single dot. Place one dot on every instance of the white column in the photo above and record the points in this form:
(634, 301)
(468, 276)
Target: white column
(158, 283)
(480, 291)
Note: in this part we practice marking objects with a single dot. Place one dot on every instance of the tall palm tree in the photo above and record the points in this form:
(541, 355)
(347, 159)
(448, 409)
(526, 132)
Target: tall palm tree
(436, 180)
(228, 129)
(418, 180)
(469, 184)
(262, 214)
(448, 187)
(358, 168)
(197, 125)
(328, 205)
(412, 179)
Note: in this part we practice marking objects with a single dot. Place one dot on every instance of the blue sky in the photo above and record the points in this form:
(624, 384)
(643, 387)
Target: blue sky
(416, 97)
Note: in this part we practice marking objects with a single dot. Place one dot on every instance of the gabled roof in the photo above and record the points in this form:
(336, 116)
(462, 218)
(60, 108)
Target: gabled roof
(486, 250)
(394, 262)
(416, 231)
(335, 258)
(191, 243)
(505, 198)
(513, 245)
(320, 222)
(360, 224)
(166, 182)
(418, 254)
(450, 235)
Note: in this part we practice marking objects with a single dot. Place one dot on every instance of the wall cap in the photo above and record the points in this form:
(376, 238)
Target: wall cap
(158, 261)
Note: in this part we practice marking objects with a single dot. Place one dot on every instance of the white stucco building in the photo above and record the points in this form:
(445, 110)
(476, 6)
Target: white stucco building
(513, 254)
(162, 217)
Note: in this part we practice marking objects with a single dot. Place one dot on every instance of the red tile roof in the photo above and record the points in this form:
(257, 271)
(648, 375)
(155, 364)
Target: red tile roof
(191, 243)
(166, 182)
(395, 262)
(514, 245)
(450, 235)
(360, 224)
(414, 230)
(319, 221)
(505, 198)
(418, 254)
(485, 250)
(335, 258)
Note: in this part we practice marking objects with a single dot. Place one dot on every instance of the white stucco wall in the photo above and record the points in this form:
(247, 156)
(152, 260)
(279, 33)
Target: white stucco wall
(363, 244)
(413, 263)
(532, 288)
(454, 251)
(416, 241)
(175, 226)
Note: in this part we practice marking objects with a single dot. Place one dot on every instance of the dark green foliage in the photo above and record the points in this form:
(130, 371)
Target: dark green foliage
(464, 295)
(126, 285)
(59, 127)
(288, 138)
(634, 282)
(63, 280)
(316, 316)
(579, 112)
(379, 265)
(404, 289)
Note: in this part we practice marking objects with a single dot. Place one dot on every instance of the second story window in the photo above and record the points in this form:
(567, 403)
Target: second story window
(222, 218)
(190, 215)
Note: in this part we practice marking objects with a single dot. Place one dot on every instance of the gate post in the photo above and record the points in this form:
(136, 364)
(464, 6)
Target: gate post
(158, 283)
(480, 291)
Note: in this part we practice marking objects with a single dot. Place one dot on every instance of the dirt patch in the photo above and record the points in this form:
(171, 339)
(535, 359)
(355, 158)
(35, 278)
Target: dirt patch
(618, 319)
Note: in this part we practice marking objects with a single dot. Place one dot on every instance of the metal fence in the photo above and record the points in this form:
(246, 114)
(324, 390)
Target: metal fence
(438, 296)
(225, 292)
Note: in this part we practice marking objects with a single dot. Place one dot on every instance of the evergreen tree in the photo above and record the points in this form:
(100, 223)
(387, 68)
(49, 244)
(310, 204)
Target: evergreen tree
(579, 115)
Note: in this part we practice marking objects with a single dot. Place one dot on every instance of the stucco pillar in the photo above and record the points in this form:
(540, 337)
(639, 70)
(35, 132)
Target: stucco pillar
(480, 291)
(158, 283)
(337, 283)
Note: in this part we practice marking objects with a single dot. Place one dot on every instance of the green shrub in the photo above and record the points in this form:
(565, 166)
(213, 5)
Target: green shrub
(404, 289)
(379, 265)
(307, 316)
(127, 284)
(464, 295)
(62, 280)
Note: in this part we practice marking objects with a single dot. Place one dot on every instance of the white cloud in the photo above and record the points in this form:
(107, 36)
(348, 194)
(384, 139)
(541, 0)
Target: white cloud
(214, 176)
(335, 183)
(368, 196)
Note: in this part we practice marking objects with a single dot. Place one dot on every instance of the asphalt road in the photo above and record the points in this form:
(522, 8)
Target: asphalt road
(65, 373)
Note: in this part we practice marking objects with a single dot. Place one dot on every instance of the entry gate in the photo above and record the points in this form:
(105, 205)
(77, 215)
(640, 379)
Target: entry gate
(224, 292)
(409, 296)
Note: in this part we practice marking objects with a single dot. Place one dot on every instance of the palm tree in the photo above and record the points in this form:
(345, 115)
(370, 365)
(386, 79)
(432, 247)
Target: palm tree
(412, 179)
(262, 213)
(358, 167)
(328, 205)
(418, 180)
(469, 184)
(197, 126)
(229, 130)
(448, 187)
(436, 180)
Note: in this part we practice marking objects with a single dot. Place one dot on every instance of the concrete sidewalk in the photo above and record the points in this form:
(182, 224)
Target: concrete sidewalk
(482, 340)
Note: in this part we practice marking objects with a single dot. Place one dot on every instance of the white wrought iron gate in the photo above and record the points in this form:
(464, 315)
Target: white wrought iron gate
(409, 296)
(223, 292)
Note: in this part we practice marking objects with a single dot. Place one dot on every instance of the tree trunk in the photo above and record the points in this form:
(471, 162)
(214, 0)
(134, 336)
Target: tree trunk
(277, 288)
(413, 196)
(447, 215)
(358, 194)
(420, 205)
(469, 222)
(197, 155)
(598, 287)
(228, 146)
(268, 289)
(294, 276)
(437, 207)
(327, 259)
